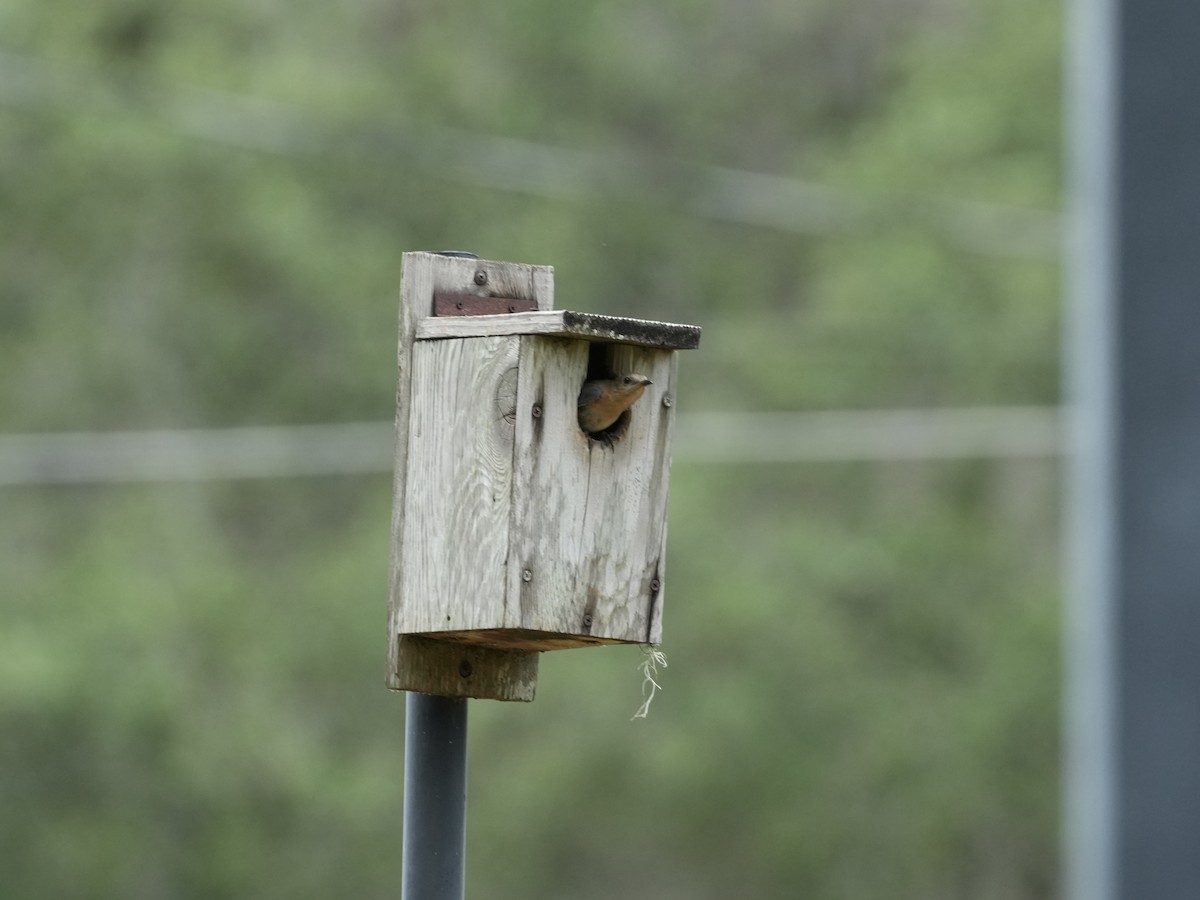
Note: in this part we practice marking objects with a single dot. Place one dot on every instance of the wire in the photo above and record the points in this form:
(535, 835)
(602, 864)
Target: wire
(196, 454)
(878, 435)
(365, 448)
(708, 192)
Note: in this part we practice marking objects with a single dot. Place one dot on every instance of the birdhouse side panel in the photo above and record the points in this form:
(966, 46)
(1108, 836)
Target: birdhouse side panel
(589, 517)
(457, 504)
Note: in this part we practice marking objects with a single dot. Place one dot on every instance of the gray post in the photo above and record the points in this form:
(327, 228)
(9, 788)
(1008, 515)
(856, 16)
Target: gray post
(435, 797)
(1133, 627)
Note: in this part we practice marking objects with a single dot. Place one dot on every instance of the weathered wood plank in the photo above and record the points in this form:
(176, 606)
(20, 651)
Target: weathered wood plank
(589, 520)
(549, 480)
(666, 367)
(460, 453)
(423, 275)
(520, 639)
(564, 323)
(464, 670)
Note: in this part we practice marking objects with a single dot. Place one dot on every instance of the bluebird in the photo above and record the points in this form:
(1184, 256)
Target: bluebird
(601, 402)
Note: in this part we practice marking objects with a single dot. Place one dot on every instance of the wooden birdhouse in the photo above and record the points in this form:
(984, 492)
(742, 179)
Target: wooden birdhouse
(514, 531)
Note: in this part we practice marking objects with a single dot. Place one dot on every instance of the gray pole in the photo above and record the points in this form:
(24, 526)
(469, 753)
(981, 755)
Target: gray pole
(435, 797)
(1133, 626)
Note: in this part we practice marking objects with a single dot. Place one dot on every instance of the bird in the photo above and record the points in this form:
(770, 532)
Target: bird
(602, 401)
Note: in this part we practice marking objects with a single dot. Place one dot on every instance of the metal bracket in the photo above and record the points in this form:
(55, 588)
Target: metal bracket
(474, 305)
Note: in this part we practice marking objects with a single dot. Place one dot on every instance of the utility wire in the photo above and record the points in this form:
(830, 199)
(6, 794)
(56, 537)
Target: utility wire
(713, 193)
(366, 448)
(199, 454)
(891, 435)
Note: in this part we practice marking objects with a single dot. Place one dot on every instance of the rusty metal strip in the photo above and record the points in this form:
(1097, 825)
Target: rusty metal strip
(474, 305)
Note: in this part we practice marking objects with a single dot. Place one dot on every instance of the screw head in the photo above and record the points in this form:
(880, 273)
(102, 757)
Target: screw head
(537, 410)
(655, 584)
(481, 277)
(464, 669)
(587, 620)
(667, 401)
(527, 575)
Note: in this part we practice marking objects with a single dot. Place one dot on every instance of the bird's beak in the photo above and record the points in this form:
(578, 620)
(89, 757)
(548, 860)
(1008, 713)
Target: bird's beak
(647, 381)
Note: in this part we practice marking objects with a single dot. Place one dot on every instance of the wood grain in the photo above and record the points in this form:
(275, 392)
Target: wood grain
(424, 274)
(460, 459)
(464, 670)
(589, 520)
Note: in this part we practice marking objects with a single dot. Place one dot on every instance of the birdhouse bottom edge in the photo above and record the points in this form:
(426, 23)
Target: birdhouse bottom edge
(520, 639)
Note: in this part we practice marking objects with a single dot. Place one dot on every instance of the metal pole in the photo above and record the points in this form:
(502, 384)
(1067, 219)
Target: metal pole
(435, 798)
(1132, 733)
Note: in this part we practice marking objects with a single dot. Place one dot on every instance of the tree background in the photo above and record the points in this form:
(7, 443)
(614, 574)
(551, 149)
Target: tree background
(202, 212)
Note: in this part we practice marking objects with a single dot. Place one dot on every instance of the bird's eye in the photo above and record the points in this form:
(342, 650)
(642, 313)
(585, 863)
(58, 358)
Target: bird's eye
(627, 380)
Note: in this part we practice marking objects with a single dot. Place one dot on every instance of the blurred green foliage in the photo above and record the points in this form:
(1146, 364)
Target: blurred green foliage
(204, 208)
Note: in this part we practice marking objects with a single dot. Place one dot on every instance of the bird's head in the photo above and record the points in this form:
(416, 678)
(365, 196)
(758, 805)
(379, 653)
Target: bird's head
(631, 385)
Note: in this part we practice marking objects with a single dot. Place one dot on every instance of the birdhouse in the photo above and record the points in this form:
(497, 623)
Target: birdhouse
(516, 531)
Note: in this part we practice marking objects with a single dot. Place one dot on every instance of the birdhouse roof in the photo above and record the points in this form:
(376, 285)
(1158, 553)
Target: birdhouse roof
(564, 323)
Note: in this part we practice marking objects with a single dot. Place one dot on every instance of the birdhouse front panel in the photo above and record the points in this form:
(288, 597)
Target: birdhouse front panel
(589, 512)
